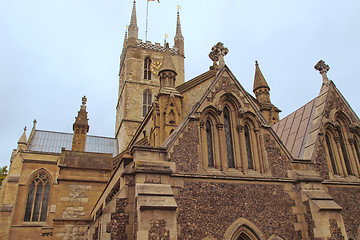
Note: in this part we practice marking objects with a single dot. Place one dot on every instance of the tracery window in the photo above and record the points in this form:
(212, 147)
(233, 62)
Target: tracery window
(228, 138)
(209, 143)
(248, 147)
(344, 153)
(38, 199)
(147, 101)
(147, 72)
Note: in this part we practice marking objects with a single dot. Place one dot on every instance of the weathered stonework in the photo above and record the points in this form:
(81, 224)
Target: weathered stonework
(186, 151)
(320, 162)
(158, 230)
(119, 221)
(278, 163)
(209, 208)
(348, 198)
(77, 193)
(335, 230)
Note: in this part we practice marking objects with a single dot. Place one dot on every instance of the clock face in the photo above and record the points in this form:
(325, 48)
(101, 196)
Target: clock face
(155, 66)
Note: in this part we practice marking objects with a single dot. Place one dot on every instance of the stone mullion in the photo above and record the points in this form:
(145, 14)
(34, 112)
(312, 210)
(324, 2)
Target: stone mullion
(243, 149)
(355, 160)
(260, 150)
(340, 159)
(240, 148)
(222, 147)
(254, 148)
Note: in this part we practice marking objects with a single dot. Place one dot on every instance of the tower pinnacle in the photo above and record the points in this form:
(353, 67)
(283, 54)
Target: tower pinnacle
(179, 39)
(259, 80)
(81, 128)
(133, 28)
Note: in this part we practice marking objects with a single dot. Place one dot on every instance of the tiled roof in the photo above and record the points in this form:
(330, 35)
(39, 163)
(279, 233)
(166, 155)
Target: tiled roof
(196, 81)
(47, 141)
(294, 128)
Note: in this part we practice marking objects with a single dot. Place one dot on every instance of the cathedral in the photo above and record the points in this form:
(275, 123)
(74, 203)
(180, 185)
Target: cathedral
(199, 159)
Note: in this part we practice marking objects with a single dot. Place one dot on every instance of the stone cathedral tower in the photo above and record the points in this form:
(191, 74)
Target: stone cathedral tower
(138, 78)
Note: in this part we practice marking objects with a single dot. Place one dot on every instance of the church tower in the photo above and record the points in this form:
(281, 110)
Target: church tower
(140, 63)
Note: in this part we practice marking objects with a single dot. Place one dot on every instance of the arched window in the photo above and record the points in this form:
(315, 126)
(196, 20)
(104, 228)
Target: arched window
(147, 72)
(209, 143)
(344, 152)
(228, 138)
(248, 147)
(356, 144)
(331, 154)
(38, 199)
(147, 101)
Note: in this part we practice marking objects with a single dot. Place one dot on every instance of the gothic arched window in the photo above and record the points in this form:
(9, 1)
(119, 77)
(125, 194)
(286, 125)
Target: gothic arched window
(331, 153)
(147, 101)
(356, 144)
(147, 72)
(228, 138)
(38, 199)
(209, 143)
(344, 152)
(248, 147)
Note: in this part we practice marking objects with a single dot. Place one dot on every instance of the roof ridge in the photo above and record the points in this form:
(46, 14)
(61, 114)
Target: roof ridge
(88, 135)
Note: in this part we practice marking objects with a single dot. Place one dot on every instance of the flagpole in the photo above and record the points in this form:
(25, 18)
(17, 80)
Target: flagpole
(147, 11)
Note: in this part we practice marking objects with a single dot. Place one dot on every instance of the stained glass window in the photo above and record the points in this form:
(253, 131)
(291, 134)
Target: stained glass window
(209, 143)
(228, 138)
(248, 147)
(345, 155)
(38, 199)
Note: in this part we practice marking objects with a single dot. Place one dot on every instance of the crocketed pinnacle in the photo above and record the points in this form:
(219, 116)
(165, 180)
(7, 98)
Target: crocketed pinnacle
(22, 139)
(82, 120)
(167, 64)
(178, 27)
(133, 21)
(259, 80)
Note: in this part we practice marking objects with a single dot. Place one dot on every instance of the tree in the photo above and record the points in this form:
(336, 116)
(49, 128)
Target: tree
(3, 173)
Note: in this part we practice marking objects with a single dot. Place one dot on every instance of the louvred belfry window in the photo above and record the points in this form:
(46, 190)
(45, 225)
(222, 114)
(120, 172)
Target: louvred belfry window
(38, 199)
(147, 72)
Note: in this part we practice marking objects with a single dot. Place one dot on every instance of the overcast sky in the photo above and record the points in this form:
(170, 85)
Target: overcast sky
(52, 52)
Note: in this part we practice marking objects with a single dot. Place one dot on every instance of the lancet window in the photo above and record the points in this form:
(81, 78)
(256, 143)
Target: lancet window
(209, 142)
(147, 101)
(331, 153)
(38, 199)
(147, 72)
(248, 147)
(228, 138)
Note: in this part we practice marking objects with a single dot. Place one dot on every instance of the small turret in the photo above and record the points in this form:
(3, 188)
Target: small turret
(133, 28)
(179, 39)
(22, 143)
(167, 109)
(262, 92)
(81, 128)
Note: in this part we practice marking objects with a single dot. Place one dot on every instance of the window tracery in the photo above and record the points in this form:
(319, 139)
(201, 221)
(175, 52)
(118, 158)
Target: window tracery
(147, 71)
(38, 199)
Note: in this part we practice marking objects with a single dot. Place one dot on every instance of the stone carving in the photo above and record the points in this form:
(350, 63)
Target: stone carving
(323, 69)
(217, 53)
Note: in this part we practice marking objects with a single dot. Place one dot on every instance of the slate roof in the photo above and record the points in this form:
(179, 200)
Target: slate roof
(294, 128)
(48, 141)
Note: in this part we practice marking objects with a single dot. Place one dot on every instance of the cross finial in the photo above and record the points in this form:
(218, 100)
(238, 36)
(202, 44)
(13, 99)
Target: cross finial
(217, 53)
(34, 122)
(323, 69)
(24, 128)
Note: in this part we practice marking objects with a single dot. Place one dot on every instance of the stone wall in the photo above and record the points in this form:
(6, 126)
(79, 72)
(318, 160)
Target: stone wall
(119, 221)
(348, 198)
(209, 208)
(186, 150)
(278, 162)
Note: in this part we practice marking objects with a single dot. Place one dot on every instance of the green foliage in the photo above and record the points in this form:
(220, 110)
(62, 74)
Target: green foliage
(3, 173)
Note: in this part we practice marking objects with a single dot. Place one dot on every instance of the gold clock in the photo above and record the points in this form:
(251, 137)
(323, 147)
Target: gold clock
(155, 67)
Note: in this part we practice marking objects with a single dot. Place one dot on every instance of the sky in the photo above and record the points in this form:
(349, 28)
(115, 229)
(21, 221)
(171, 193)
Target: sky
(52, 52)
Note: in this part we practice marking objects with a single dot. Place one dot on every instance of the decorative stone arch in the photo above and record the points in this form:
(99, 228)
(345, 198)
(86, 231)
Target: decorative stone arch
(38, 195)
(230, 98)
(332, 148)
(243, 229)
